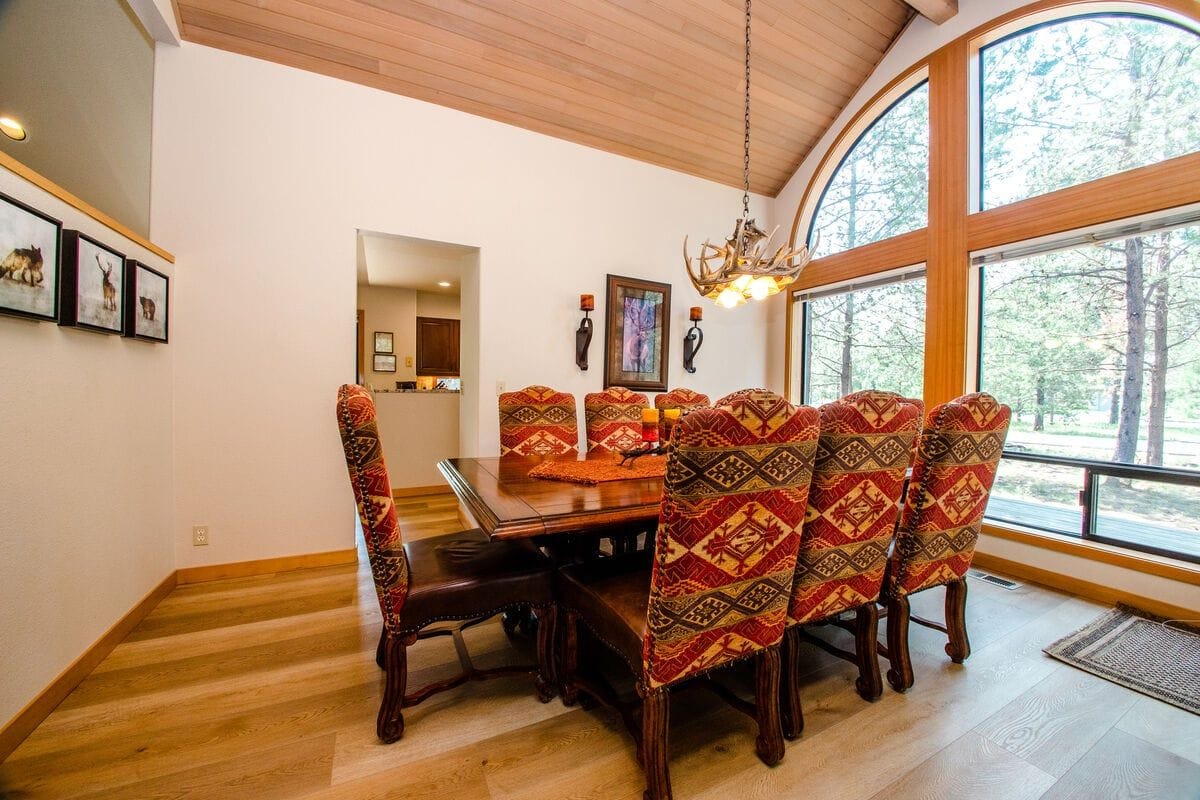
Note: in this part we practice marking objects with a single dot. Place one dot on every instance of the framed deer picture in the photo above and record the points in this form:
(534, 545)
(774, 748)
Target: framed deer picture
(29, 243)
(146, 297)
(92, 285)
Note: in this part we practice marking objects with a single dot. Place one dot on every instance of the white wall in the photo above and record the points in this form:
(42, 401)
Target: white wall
(263, 216)
(921, 38)
(417, 430)
(386, 308)
(444, 306)
(86, 426)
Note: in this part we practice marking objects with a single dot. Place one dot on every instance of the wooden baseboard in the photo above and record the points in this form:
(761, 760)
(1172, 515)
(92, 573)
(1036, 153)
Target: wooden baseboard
(19, 727)
(1086, 589)
(414, 491)
(265, 566)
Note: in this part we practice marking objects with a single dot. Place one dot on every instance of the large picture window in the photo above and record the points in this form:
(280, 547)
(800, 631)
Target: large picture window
(1097, 349)
(1078, 99)
(881, 188)
(864, 337)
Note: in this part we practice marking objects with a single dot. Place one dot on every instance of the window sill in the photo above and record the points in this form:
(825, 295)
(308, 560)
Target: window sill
(1145, 563)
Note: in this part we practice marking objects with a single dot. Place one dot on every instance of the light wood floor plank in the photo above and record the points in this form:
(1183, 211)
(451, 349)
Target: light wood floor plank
(266, 687)
(1124, 766)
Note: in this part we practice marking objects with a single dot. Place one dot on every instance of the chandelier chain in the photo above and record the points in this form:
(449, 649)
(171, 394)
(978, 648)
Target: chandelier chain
(746, 139)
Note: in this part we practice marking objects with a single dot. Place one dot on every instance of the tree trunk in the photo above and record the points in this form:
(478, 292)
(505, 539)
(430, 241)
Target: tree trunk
(1155, 436)
(1114, 404)
(1135, 352)
(847, 381)
(1039, 405)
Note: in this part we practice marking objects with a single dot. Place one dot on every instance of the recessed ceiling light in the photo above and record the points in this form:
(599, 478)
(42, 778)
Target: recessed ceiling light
(444, 284)
(12, 129)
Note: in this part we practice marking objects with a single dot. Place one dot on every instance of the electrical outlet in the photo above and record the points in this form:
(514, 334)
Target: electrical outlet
(408, 361)
(199, 535)
(499, 387)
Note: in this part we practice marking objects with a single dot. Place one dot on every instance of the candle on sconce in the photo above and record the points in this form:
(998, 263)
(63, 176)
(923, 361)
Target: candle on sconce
(697, 314)
(649, 424)
(587, 302)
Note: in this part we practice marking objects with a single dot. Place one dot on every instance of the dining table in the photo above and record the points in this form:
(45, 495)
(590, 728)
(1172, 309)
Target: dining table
(507, 503)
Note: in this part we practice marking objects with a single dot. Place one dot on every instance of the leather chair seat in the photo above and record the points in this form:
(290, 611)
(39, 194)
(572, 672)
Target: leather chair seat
(611, 596)
(465, 574)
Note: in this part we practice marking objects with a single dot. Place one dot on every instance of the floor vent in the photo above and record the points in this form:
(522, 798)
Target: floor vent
(1003, 583)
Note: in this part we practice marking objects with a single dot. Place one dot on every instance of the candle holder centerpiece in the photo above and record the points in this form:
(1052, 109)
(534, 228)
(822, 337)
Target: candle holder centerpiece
(650, 442)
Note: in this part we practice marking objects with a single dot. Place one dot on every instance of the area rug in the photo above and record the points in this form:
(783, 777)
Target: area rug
(1147, 654)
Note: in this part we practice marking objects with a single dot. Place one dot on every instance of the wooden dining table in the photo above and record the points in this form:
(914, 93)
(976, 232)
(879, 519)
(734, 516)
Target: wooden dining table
(507, 503)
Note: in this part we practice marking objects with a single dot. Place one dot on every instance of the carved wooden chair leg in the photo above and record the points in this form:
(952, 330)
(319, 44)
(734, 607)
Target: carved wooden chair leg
(389, 726)
(380, 648)
(545, 682)
(899, 674)
(792, 712)
(656, 708)
(959, 646)
(769, 743)
(568, 661)
(869, 683)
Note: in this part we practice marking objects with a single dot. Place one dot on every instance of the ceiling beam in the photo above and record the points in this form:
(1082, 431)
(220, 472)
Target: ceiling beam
(938, 11)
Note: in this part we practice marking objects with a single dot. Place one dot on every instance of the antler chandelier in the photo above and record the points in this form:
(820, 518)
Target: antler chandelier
(744, 267)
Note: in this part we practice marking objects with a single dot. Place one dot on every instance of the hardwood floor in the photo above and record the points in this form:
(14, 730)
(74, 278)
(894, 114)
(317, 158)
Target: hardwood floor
(266, 688)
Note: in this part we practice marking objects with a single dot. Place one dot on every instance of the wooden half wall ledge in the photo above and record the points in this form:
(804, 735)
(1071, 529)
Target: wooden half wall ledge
(42, 182)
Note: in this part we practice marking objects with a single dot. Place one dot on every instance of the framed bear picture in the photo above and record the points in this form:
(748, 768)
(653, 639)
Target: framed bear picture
(147, 314)
(29, 249)
(91, 285)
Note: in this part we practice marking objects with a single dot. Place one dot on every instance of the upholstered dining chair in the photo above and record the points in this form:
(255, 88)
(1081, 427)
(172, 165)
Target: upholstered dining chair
(613, 419)
(462, 577)
(538, 421)
(716, 590)
(858, 479)
(681, 398)
(916, 401)
(956, 463)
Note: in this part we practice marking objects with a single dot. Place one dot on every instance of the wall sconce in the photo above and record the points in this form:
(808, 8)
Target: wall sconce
(693, 339)
(583, 336)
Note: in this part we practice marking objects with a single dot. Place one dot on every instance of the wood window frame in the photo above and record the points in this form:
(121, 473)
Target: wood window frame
(956, 228)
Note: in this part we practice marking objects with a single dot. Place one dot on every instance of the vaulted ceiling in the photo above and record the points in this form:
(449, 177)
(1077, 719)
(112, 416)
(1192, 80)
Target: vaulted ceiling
(656, 80)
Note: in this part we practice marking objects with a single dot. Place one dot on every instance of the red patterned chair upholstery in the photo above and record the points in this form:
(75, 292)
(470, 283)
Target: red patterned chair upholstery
(956, 464)
(733, 504)
(920, 404)
(457, 576)
(614, 419)
(853, 504)
(538, 421)
(677, 398)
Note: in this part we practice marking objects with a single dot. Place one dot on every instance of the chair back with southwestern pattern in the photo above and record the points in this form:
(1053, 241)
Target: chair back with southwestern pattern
(614, 419)
(920, 404)
(956, 464)
(538, 421)
(733, 505)
(373, 495)
(855, 498)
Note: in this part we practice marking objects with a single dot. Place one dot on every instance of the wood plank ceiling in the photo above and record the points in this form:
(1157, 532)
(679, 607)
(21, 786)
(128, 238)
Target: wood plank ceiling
(656, 80)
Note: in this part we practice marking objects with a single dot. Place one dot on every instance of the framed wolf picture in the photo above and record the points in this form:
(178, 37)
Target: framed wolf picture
(29, 248)
(146, 312)
(92, 285)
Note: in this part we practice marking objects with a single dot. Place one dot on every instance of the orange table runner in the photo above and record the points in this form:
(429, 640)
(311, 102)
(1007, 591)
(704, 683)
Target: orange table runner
(595, 471)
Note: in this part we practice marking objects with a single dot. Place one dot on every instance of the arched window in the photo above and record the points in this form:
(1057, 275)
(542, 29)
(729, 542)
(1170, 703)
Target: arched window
(881, 187)
(1078, 99)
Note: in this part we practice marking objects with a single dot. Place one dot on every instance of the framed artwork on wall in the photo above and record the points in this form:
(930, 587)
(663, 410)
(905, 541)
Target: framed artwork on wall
(384, 342)
(91, 285)
(146, 297)
(637, 322)
(384, 363)
(29, 250)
